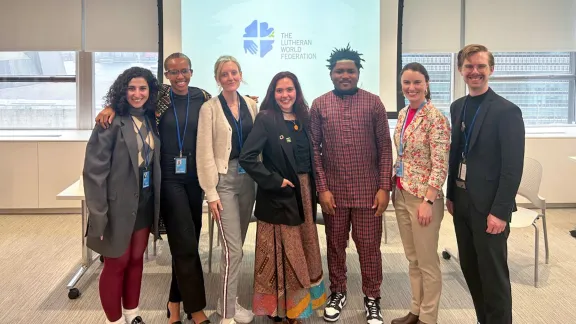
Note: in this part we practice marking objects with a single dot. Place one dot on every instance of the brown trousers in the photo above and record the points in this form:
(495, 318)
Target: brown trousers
(421, 249)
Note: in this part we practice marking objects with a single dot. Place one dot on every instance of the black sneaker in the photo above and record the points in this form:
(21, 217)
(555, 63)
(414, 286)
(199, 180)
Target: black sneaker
(372, 307)
(334, 306)
(137, 320)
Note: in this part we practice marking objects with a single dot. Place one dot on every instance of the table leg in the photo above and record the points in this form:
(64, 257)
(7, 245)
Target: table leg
(86, 257)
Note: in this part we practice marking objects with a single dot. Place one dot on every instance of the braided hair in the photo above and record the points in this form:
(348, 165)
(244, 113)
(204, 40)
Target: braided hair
(345, 53)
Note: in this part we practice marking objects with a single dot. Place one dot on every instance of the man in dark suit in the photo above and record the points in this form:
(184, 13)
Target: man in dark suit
(486, 162)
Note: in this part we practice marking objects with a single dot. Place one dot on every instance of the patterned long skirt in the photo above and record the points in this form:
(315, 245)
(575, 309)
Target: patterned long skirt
(288, 277)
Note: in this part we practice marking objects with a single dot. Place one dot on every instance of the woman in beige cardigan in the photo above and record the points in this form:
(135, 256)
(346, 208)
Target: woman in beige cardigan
(224, 124)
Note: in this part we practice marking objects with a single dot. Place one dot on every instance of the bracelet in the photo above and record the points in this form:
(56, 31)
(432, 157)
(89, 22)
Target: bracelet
(428, 201)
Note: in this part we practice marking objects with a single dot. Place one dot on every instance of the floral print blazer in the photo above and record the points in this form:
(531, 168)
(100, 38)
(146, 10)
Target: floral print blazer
(426, 150)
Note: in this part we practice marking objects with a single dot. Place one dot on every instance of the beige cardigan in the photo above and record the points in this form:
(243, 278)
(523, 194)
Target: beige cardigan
(214, 144)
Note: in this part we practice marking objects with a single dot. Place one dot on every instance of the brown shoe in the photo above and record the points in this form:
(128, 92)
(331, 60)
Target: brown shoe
(408, 319)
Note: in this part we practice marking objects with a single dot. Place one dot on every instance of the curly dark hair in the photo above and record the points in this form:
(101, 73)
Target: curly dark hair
(345, 53)
(300, 105)
(116, 96)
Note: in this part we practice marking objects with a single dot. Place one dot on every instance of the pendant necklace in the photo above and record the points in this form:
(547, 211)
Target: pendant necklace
(296, 127)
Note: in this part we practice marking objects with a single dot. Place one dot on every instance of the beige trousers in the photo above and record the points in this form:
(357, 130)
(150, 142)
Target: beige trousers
(421, 249)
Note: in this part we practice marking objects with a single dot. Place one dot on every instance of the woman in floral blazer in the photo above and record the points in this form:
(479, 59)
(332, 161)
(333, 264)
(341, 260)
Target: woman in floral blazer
(422, 139)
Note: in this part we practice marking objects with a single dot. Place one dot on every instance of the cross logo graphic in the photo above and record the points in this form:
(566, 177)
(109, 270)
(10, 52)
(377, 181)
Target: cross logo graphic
(258, 37)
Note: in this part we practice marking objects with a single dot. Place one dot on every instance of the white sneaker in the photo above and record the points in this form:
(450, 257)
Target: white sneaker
(231, 322)
(242, 315)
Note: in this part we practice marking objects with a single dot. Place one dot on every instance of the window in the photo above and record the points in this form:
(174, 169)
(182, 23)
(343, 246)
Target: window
(541, 84)
(108, 65)
(439, 67)
(37, 90)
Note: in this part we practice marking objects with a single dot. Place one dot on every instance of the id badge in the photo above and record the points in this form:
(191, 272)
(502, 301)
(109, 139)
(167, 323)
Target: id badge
(462, 171)
(180, 165)
(241, 169)
(145, 179)
(400, 169)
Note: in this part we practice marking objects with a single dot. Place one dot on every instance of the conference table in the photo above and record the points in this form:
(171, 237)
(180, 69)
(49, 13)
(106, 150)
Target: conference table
(76, 192)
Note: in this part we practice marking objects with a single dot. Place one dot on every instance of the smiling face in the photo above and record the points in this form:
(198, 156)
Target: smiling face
(229, 76)
(178, 72)
(138, 92)
(285, 94)
(345, 75)
(476, 71)
(414, 87)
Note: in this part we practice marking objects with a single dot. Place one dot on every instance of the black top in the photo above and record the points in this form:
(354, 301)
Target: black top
(169, 138)
(471, 106)
(145, 214)
(247, 124)
(301, 146)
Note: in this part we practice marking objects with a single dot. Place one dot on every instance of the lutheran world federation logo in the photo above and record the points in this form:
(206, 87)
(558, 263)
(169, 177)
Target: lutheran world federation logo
(258, 38)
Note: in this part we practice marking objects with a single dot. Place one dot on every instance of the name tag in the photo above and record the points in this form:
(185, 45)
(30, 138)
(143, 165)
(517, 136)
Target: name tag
(399, 169)
(241, 169)
(462, 171)
(180, 165)
(146, 179)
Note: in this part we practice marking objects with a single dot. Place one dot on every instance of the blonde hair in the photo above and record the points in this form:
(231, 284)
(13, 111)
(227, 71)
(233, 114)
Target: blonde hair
(472, 49)
(220, 62)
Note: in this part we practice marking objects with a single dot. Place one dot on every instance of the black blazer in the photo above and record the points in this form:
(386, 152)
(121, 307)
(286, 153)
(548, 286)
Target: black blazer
(495, 156)
(274, 204)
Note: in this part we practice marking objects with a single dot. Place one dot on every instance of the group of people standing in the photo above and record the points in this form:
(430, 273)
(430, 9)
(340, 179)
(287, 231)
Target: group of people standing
(159, 151)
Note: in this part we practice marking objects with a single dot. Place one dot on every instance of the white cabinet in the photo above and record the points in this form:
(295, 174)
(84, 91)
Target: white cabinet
(60, 165)
(18, 175)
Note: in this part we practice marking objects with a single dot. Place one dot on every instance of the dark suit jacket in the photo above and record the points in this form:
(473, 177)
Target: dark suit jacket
(495, 156)
(274, 204)
(112, 185)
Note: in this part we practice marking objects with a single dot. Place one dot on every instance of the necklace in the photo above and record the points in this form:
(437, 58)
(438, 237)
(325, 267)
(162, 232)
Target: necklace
(296, 128)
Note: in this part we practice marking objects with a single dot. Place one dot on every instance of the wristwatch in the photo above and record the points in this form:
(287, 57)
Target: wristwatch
(428, 201)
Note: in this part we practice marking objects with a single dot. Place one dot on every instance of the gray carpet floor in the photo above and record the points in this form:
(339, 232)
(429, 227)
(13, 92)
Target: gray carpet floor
(40, 253)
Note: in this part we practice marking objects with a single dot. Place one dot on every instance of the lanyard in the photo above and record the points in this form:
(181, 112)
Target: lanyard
(145, 147)
(180, 138)
(237, 124)
(401, 147)
(467, 130)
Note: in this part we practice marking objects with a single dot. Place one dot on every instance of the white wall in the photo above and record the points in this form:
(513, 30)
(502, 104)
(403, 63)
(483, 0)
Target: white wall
(559, 171)
(34, 171)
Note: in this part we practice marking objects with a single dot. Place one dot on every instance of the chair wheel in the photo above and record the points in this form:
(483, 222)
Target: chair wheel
(101, 258)
(446, 255)
(73, 293)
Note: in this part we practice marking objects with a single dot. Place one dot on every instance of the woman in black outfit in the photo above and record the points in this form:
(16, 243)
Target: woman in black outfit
(181, 196)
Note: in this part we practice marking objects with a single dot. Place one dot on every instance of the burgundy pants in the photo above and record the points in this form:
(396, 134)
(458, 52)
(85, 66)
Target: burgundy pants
(367, 234)
(121, 278)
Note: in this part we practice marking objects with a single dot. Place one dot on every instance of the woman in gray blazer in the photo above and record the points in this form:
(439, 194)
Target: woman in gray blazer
(122, 187)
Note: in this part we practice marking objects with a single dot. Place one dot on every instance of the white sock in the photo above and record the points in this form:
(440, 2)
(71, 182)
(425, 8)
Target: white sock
(131, 314)
(120, 321)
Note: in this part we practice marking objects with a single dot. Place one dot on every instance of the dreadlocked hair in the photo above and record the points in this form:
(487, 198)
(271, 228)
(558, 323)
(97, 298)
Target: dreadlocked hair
(345, 53)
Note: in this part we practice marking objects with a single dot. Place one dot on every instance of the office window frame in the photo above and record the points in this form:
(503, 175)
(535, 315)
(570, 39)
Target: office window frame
(453, 68)
(45, 79)
(569, 77)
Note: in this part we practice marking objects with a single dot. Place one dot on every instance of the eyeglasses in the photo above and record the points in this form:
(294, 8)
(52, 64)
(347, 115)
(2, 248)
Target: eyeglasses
(176, 72)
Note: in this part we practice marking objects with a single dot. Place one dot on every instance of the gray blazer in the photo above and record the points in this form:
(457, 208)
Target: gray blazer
(111, 186)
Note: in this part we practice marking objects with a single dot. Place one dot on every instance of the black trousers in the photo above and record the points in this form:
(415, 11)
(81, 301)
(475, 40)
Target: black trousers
(484, 262)
(182, 213)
